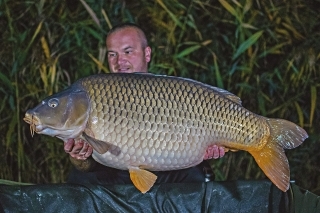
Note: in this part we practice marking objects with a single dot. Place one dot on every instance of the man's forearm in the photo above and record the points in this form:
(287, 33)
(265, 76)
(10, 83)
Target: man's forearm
(86, 165)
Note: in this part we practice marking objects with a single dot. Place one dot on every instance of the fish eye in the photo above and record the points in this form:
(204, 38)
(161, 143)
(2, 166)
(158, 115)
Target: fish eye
(53, 103)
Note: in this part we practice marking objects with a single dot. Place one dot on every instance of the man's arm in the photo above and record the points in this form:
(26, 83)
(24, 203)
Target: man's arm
(80, 154)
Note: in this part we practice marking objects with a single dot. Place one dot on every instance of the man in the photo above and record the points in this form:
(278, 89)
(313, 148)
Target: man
(128, 52)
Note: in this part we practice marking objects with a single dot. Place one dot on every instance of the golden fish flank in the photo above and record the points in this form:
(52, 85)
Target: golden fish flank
(145, 122)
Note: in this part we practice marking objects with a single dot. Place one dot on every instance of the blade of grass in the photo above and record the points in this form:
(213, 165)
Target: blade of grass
(191, 49)
(6, 81)
(246, 44)
(91, 12)
(174, 18)
(25, 52)
(313, 103)
(106, 18)
(230, 9)
(300, 113)
(217, 72)
(99, 63)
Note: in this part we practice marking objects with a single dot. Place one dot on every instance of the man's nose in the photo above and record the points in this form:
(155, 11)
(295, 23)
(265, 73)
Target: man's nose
(121, 59)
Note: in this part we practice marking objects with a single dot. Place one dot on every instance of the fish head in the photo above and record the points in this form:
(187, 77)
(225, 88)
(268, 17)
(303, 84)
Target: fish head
(63, 115)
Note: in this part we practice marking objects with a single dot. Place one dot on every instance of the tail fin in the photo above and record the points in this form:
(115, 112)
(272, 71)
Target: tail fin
(287, 134)
(271, 158)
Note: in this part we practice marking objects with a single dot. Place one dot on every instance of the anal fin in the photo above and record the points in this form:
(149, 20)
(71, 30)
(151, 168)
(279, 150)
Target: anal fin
(142, 179)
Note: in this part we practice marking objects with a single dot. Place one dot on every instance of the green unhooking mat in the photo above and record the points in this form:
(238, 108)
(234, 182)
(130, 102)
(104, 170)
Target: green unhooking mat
(233, 196)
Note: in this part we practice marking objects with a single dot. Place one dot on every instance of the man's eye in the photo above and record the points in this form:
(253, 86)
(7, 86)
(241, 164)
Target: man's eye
(112, 55)
(128, 52)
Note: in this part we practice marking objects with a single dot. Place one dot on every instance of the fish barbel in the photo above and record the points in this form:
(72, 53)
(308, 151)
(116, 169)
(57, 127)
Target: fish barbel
(145, 122)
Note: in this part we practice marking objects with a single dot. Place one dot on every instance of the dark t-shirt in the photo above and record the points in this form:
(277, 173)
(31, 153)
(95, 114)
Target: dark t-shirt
(106, 175)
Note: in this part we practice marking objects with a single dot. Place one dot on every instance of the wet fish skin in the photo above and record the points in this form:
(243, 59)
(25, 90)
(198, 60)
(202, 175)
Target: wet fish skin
(63, 115)
(146, 122)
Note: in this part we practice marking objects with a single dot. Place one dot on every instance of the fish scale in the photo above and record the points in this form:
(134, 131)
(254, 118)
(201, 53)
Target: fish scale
(141, 122)
(141, 94)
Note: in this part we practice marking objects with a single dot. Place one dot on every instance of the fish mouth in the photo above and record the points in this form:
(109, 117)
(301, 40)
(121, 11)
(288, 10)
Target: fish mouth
(33, 121)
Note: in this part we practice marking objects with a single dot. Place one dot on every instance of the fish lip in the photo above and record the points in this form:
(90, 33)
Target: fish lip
(31, 119)
(37, 127)
(34, 122)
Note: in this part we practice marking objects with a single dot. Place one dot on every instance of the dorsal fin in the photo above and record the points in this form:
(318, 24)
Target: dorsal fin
(227, 94)
(232, 97)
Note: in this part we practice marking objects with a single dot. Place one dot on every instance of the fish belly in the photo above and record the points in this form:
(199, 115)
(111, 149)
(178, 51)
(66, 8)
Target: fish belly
(162, 123)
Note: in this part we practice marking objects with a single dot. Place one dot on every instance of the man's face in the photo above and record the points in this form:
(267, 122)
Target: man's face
(125, 52)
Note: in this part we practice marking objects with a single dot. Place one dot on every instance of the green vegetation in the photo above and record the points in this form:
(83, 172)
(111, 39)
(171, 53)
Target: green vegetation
(266, 52)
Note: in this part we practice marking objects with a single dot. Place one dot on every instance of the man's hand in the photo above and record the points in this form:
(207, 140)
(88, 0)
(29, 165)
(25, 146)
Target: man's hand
(214, 152)
(80, 150)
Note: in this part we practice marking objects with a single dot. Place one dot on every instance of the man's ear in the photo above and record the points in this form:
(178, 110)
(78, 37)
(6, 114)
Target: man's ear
(147, 53)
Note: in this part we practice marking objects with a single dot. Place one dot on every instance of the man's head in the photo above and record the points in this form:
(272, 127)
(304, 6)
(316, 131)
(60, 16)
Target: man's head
(128, 49)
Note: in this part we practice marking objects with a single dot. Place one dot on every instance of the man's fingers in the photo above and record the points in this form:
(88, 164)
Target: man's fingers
(221, 152)
(68, 145)
(80, 150)
(77, 148)
(215, 152)
(79, 157)
(84, 149)
(89, 151)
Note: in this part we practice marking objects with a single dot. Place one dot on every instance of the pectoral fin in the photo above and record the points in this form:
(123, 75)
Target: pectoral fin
(142, 179)
(101, 146)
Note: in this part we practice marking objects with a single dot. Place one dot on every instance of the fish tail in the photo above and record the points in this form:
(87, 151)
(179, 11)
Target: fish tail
(271, 158)
(287, 134)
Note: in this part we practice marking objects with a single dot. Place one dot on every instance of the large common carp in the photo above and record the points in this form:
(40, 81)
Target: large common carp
(145, 122)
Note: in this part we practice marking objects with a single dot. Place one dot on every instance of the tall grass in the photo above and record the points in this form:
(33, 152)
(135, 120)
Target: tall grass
(266, 52)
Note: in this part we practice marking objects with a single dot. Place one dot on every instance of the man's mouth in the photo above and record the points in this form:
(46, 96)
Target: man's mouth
(124, 70)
